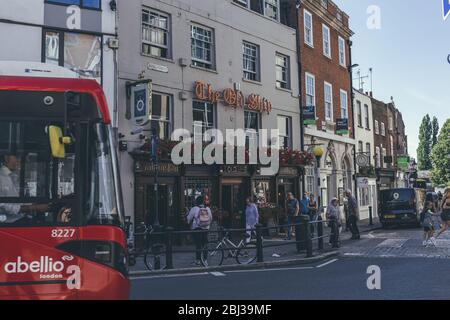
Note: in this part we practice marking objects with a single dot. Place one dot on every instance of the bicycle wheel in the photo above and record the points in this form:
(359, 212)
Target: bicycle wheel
(212, 256)
(246, 254)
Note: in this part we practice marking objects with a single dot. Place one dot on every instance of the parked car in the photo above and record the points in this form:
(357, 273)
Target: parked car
(401, 206)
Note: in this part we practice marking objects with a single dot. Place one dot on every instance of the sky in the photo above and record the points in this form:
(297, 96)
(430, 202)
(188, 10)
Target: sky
(408, 55)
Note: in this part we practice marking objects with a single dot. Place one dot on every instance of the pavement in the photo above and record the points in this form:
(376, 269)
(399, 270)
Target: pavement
(407, 270)
(281, 253)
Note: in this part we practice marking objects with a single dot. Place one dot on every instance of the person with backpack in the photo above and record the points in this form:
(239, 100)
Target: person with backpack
(200, 219)
(426, 220)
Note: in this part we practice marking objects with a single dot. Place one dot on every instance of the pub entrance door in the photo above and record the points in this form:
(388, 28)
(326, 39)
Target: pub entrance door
(232, 196)
(145, 201)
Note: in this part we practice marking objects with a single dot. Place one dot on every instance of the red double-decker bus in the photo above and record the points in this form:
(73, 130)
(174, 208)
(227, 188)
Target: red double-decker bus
(61, 213)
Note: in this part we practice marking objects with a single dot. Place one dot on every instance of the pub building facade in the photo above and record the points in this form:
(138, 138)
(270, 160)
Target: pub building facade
(224, 64)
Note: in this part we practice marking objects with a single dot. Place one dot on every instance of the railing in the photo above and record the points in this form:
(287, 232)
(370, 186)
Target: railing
(162, 242)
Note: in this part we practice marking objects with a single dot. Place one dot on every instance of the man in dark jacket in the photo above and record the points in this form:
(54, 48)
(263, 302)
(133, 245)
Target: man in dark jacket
(353, 214)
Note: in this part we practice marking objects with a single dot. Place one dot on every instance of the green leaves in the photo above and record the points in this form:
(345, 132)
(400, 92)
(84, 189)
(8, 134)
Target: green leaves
(441, 157)
(425, 144)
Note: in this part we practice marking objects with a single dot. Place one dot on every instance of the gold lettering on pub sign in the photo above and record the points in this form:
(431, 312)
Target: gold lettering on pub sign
(232, 98)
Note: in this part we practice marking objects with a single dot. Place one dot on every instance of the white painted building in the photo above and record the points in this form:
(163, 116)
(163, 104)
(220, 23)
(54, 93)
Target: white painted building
(75, 37)
(365, 151)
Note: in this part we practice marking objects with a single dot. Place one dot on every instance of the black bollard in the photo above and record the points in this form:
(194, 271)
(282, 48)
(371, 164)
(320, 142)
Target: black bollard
(259, 244)
(169, 248)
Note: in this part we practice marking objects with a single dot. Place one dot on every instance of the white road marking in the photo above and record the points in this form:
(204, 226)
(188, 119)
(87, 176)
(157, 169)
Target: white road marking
(170, 276)
(266, 270)
(218, 274)
(393, 243)
(353, 254)
(327, 263)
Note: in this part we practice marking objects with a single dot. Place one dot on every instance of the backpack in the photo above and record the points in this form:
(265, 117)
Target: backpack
(422, 217)
(204, 220)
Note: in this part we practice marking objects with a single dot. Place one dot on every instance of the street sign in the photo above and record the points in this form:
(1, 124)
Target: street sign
(403, 162)
(141, 99)
(309, 115)
(341, 126)
(157, 67)
(363, 183)
(362, 160)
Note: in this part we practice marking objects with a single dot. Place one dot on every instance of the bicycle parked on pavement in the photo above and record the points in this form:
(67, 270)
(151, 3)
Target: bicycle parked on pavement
(215, 253)
(152, 250)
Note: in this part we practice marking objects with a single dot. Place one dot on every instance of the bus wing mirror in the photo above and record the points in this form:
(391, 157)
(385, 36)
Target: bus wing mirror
(58, 142)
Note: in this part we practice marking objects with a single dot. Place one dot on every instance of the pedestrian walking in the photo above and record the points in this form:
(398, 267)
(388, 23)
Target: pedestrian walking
(312, 209)
(304, 204)
(426, 219)
(445, 212)
(293, 209)
(332, 215)
(353, 213)
(200, 219)
(251, 218)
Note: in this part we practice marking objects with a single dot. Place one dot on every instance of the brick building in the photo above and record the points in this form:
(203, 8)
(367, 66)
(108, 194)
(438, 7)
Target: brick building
(325, 54)
(384, 144)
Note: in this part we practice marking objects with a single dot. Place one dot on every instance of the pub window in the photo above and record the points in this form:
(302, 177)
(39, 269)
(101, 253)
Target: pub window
(202, 45)
(81, 53)
(367, 116)
(310, 90)
(87, 4)
(364, 197)
(310, 179)
(326, 41)
(161, 115)
(283, 71)
(369, 152)
(359, 109)
(308, 22)
(155, 33)
(271, 9)
(344, 104)
(203, 116)
(378, 157)
(377, 127)
(328, 101)
(383, 129)
(250, 53)
(241, 2)
(285, 131)
(342, 58)
(262, 193)
(194, 188)
(252, 125)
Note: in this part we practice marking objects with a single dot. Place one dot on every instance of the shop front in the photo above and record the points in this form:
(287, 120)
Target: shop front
(234, 186)
(167, 181)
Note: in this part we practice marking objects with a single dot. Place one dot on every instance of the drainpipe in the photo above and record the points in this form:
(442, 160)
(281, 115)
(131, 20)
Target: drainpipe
(300, 102)
(352, 95)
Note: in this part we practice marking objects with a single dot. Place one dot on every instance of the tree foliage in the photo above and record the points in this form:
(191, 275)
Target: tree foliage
(435, 128)
(441, 157)
(425, 143)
